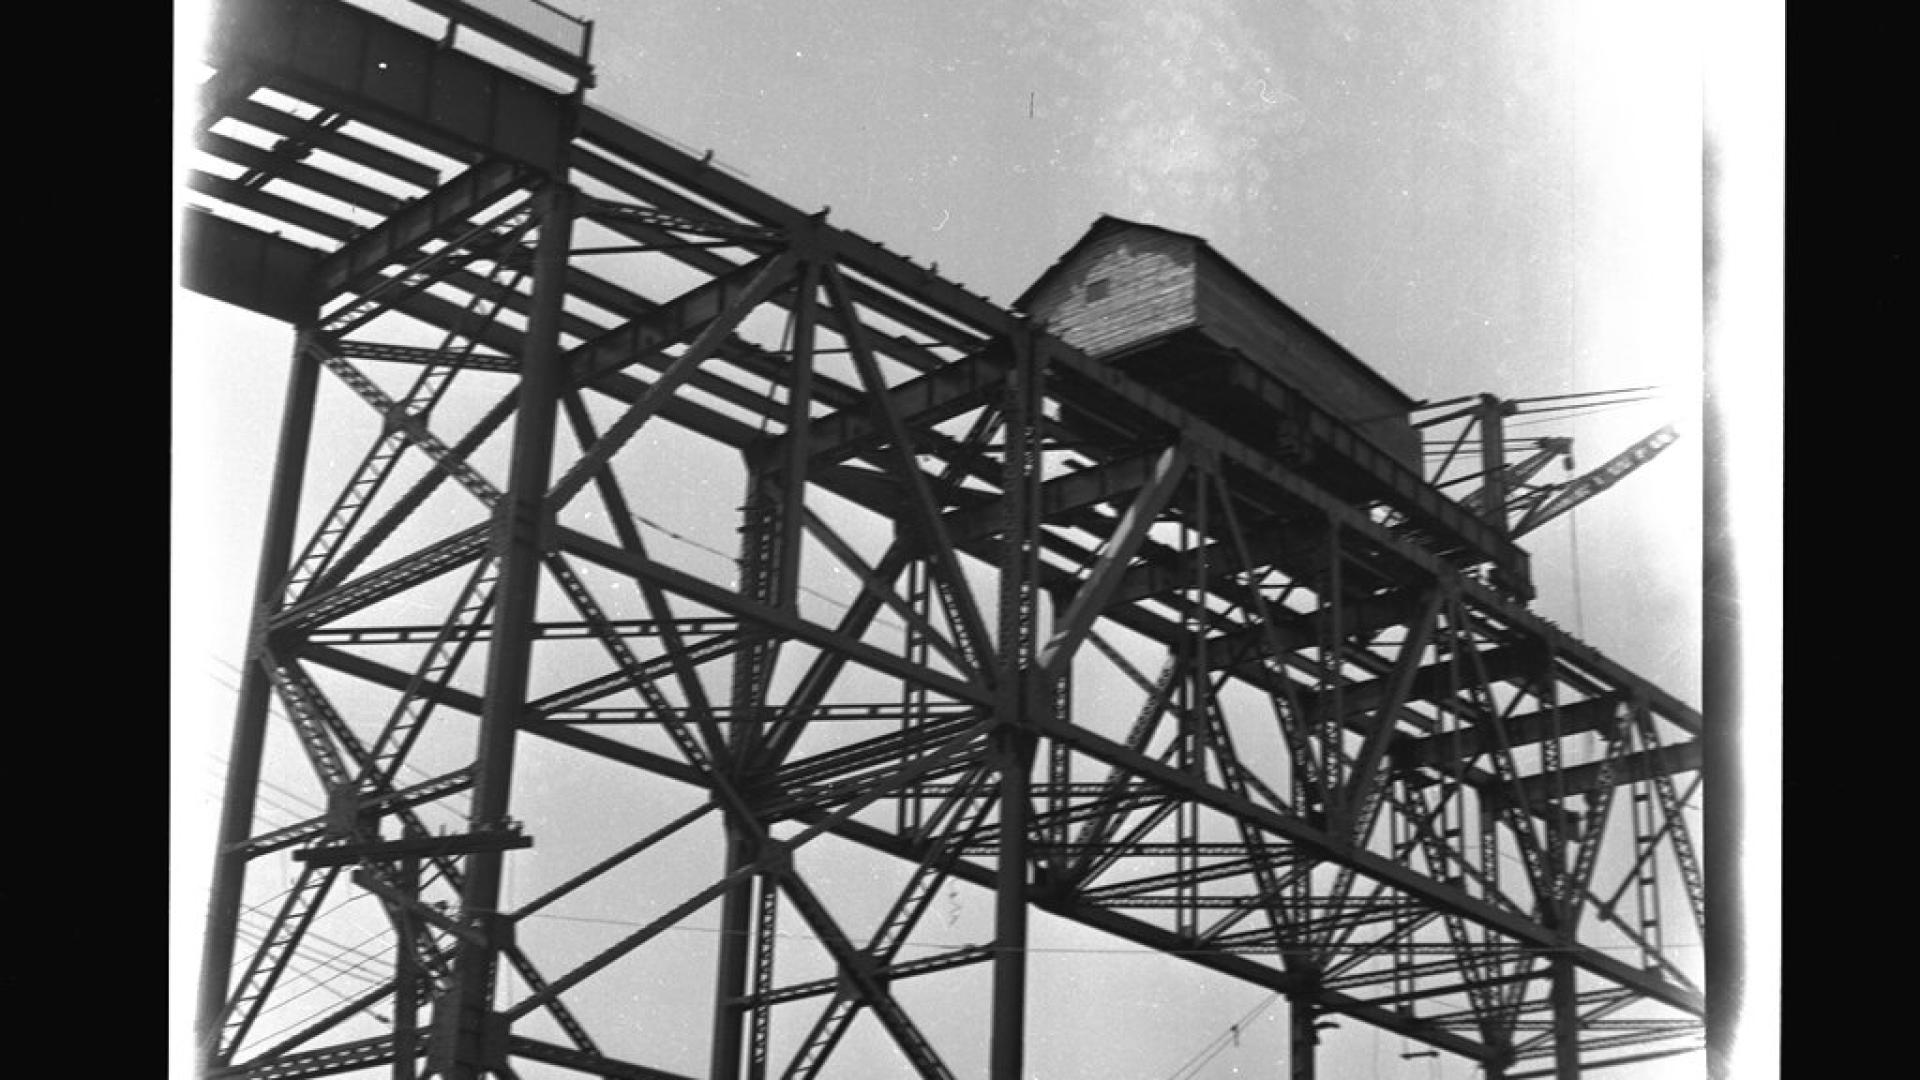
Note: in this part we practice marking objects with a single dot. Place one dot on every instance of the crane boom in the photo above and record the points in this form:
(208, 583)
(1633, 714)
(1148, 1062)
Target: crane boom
(1520, 472)
(1593, 483)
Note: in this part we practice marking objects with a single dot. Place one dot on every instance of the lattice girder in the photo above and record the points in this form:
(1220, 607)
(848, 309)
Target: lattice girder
(1132, 672)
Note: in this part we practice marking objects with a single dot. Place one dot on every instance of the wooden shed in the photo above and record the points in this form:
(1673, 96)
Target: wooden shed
(1172, 312)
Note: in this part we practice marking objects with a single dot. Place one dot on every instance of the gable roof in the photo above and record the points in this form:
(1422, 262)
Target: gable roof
(1107, 224)
(1101, 227)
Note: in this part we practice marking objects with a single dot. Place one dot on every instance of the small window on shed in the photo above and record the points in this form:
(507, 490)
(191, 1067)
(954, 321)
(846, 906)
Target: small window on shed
(1097, 289)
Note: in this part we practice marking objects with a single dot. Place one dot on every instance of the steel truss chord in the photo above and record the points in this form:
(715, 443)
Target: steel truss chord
(407, 422)
(269, 962)
(330, 1061)
(610, 211)
(354, 818)
(436, 671)
(1305, 750)
(771, 856)
(403, 427)
(924, 513)
(879, 955)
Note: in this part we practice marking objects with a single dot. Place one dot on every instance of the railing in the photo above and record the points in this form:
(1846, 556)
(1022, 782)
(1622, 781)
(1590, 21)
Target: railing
(538, 29)
(544, 21)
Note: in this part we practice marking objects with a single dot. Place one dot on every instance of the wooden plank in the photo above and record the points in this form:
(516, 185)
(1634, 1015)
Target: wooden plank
(1121, 289)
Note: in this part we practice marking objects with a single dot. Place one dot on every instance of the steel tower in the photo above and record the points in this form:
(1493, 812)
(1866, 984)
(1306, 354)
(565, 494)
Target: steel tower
(971, 607)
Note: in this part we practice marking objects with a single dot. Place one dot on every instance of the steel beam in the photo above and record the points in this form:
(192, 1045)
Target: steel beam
(1338, 849)
(462, 1050)
(1211, 603)
(244, 754)
(730, 967)
(1093, 596)
(624, 142)
(1303, 1040)
(282, 163)
(705, 592)
(1538, 788)
(1022, 695)
(343, 58)
(402, 233)
(390, 165)
(1566, 1018)
(247, 268)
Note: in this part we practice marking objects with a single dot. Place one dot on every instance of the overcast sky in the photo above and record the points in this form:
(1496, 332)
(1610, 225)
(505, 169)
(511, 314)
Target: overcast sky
(1500, 196)
(1494, 197)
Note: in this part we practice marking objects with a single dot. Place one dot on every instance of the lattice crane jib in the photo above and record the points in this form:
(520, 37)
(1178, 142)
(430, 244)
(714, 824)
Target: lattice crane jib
(690, 549)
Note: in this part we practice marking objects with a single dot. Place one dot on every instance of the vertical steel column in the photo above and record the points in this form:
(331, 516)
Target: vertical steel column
(910, 815)
(1192, 704)
(250, 715)
(1332, 698)
(1018, 703)
(1300, 1062)
(406, 978)
(1014, 751)
(770, 545)
(520, 528)
(1493, 460)
(762, 520)
(799, 423)
(730, 977)
(1566, 1017)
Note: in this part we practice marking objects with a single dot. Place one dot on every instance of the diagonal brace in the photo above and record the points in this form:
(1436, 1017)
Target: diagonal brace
(1093, 596)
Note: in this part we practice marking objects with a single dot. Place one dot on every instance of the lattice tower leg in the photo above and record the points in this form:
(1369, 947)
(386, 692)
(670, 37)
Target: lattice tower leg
(1566, 1019)
(730, 978)
(1646, 876)
(248, 743)
(1302, 1058)
(911, 813)
(760, 578)
(463, 1046)
(406, 981)
(1018, 700)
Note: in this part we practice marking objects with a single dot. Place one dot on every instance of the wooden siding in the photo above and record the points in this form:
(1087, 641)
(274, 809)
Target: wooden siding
(1126, 286)
(1286, 347)
(1148, 292)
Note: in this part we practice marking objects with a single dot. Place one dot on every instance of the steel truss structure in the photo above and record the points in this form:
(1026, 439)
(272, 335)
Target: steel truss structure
(1104, 661)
